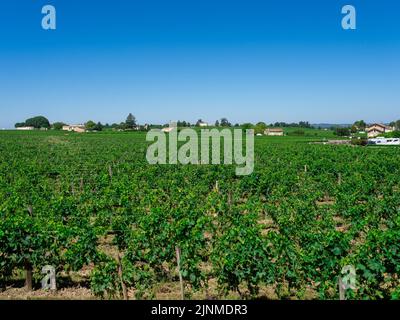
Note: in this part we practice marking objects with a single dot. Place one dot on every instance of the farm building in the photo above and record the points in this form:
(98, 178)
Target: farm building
(168, 129)
(25, 128)
(75, 128)
(273, 132)
(203, 124)
(377, 129)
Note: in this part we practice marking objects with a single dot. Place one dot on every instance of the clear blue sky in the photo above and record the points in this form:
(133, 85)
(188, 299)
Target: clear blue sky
(165, 60)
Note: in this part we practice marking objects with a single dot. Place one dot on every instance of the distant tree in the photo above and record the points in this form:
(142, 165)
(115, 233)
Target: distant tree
(304, 124)
(20, 124)
(260, 127)
(38, 122)
(58, 125)
(397, 125)
(342, 132)
(360, 125)
(98, 127)
(130, 122)
(393, 134)
(183, 124)
(261, 124)
(237, 125)
(301, 124)
(247, 125)
(217, 123)
(198, 122)
(225, 123)
(90, 125)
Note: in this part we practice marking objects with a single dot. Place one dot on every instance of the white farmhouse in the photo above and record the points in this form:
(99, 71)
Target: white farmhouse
(377, 129)
(74, 128)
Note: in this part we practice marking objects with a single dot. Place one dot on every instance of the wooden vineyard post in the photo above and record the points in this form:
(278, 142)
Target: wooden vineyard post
(178, 259)
(27, 264)
(110, 172)
(120, 273)
(229, 199)
(28, 276)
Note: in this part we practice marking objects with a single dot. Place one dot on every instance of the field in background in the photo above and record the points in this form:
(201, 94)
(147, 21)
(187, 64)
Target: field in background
(90, 205)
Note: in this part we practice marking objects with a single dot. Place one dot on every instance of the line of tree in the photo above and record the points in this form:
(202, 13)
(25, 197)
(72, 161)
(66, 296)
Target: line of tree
(38, 122)
(396, 125)
(359, 125)
(92, 126)
(183, 124)
(41, 122)
(129, 124)
(300, 124)
(342, 132)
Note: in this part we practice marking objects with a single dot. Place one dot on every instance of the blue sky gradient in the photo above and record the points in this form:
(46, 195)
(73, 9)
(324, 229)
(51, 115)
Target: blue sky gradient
(165, 60)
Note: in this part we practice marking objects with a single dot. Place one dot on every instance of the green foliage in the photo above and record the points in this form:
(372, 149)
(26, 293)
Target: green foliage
(58, 125)
(90, 125)
(105, 282)
(36, 122)
(224, 122)
(246, 126)
(130, 122)
(359, 125)
(305, 212)
(297, 132)
(20, 124)
(397, 125)
(359, 142)
(260, 127)
(393, 134)
(342, 132)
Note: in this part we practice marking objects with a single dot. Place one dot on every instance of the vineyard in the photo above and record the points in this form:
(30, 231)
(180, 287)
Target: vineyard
(91, 206)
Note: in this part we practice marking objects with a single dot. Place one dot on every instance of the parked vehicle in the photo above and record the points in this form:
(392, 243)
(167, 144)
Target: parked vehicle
(384, 141)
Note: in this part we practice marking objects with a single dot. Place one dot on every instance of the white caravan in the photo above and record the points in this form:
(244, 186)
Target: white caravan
(384, 141)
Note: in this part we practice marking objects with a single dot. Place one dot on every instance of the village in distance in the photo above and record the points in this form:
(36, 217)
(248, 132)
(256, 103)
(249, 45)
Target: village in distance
(358, 133)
